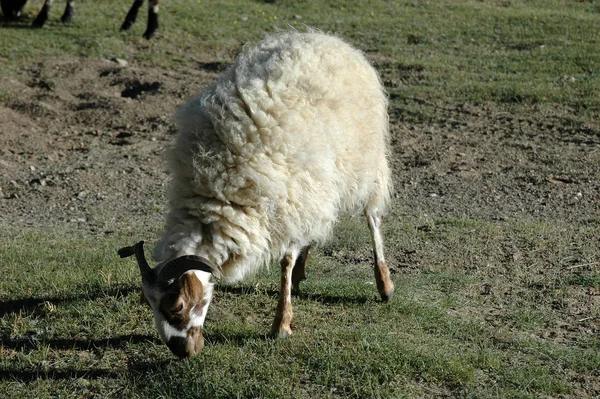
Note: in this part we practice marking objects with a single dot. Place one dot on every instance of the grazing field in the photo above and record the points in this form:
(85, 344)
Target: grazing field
(493, 236)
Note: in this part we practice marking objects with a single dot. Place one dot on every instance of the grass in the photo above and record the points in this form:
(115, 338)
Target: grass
(482, 308)
(72, 326)
(515, 53)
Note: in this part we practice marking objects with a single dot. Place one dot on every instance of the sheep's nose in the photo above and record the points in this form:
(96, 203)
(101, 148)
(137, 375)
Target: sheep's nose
(179, 347)
(190, 346)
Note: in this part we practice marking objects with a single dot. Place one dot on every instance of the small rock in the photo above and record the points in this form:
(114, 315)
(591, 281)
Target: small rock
(120, 61)
(82, 194)
(32, 168)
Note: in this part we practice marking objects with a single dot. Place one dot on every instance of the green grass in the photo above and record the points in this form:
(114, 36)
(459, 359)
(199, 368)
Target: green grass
(518, 54)
(72, 326)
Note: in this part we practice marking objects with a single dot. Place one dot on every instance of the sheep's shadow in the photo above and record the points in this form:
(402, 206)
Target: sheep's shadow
(28, 344)
(237, 338)
(32, 305)
(52, 374)
(89, 373)
(22, 22)
(321, 298)
(40, 372)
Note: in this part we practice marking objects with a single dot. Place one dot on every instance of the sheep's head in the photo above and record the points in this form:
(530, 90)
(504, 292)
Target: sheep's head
(178, 292)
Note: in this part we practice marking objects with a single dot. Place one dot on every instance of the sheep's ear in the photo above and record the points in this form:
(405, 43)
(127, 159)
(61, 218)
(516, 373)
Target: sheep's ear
(199, 309)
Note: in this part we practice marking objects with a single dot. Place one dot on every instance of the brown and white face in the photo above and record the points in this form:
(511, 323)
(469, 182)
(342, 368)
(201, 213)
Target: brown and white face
(178, 292)
(179, 309)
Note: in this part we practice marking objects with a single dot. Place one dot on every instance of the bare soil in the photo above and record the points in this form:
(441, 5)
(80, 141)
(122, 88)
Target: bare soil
(81, 145)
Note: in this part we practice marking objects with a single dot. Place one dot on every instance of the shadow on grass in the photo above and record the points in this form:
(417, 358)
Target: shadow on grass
(64, 374)
(237, 338)
(73, 373)
(33, 304)
(22, 22)
(325, 299)
(41, 372)
(77, 344)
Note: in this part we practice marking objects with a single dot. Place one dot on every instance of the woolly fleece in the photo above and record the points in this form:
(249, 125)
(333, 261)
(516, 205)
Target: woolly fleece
(292, 134)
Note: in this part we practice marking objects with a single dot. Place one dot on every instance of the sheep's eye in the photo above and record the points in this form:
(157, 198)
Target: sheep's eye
(177, 308)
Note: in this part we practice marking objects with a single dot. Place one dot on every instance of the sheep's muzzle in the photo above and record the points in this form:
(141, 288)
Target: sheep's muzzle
(190, 346)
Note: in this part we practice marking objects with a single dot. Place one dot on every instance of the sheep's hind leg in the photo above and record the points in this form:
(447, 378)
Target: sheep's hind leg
(282, 325)
(152, 24)
(41, 18)
(385, 285)
(131, 15)
(299, 271)
(68, 14)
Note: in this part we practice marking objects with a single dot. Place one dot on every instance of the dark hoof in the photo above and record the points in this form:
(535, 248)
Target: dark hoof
(388, 297)
(38, 23)
(149, 34)
(280, 333)
(126, 25)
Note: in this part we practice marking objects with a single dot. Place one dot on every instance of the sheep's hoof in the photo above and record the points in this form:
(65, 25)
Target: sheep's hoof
(387, 297)
(281, 332)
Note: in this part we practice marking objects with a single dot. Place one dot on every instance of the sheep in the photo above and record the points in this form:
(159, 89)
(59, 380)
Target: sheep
(293, 134)
(12, 9)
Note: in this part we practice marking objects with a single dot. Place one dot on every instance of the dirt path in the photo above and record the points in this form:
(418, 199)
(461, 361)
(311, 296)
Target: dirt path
(81, 144)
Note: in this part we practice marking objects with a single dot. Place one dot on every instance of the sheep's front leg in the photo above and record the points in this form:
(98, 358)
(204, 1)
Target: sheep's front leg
(282, 325)
(385, 286)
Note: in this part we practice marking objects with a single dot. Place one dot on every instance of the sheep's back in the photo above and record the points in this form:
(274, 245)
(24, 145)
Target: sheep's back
(296, 131)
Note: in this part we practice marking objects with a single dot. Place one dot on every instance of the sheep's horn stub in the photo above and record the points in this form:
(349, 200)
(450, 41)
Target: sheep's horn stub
(138, 251)
(176, 267)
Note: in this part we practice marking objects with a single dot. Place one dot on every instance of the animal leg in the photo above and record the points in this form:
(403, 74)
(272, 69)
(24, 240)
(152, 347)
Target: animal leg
(283, 315)
(299, 271)
(68, 14)
(385, 286)
(152, 25)
(12, 9)
(131, 15)
(41, 18)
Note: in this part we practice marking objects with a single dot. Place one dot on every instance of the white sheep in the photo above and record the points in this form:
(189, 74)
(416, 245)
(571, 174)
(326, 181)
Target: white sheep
(286, 139)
